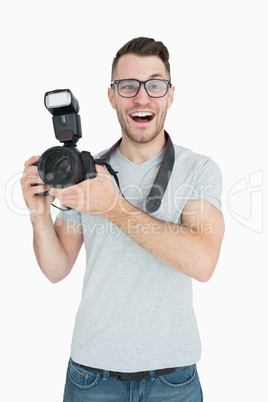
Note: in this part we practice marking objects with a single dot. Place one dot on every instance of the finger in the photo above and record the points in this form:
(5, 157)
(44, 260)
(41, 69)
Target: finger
(30, 171)
(30, 178)
(70, 196)
(41, 188)
(32, 160)
(100, 170)
(55, 192)
(32, 191)
(61, 192)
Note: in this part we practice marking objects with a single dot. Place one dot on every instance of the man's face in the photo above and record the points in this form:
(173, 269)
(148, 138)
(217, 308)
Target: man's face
(141, 68)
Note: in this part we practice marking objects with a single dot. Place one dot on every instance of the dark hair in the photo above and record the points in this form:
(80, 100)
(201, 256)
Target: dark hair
(143, 47)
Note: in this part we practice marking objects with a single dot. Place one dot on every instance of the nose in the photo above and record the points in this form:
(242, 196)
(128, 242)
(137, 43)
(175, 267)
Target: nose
(142, 97)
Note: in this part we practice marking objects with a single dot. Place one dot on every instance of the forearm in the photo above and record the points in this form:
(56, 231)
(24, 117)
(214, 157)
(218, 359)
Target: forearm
(50, 254)
(183, 248)
(192, 248)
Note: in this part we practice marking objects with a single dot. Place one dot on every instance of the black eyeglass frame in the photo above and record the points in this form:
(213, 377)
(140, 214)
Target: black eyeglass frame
(168, 82)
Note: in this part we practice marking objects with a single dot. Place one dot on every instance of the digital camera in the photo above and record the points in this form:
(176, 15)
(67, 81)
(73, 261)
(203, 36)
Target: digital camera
(63, 166)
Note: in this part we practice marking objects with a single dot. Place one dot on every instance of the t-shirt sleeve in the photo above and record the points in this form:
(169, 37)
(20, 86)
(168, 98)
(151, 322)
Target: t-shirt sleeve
(71, 215)
(208, 183)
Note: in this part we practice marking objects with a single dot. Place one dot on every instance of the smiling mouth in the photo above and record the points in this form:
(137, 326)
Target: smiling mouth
(142, 117)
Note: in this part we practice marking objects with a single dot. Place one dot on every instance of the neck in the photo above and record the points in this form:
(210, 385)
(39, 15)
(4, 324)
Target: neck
(141, 152)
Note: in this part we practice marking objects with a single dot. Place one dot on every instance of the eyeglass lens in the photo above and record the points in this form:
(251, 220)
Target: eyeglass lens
(155, 88)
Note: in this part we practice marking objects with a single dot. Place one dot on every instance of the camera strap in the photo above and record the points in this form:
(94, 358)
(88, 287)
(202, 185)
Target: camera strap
(161, 180)
(110, 170)
(87, 163)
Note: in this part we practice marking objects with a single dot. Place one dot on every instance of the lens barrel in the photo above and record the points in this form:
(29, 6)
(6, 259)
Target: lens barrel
(60, 166)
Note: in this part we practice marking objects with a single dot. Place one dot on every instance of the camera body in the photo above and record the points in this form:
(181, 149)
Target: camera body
(64, 166)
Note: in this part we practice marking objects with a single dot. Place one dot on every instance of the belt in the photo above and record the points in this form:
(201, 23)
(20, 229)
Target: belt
(140, 375)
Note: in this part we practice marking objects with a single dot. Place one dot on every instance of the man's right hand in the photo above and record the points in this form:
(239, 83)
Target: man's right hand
(38, 205)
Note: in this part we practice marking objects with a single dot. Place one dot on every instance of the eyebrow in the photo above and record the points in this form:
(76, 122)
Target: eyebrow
(156, 75)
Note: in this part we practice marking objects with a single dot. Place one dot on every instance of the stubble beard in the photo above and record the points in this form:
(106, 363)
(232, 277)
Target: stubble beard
(140, 135)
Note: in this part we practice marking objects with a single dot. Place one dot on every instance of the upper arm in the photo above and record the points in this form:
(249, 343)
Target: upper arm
(205, 219)
(71, 238)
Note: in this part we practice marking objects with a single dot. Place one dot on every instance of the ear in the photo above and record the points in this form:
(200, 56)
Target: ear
(170, 96)
(111, 97)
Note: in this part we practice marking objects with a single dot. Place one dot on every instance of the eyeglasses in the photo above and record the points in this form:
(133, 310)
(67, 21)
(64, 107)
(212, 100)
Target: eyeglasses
(129, 88)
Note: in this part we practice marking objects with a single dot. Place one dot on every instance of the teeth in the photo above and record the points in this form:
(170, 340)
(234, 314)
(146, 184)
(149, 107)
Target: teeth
(141, 114)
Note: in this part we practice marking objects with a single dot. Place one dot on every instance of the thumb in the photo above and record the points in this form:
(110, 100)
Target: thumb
(53, 191)
(99, 168)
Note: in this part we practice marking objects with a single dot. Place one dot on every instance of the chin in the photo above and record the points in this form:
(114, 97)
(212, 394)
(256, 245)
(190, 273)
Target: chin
(141, 139)
(143, 135)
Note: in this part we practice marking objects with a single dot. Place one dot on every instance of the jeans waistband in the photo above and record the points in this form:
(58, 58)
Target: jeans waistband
(140, 375)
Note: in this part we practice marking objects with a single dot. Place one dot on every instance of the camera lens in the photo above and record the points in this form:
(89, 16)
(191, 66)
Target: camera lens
(57, 167)
(60, 166)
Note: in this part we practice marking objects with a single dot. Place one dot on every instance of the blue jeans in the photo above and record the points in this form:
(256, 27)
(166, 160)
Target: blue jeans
(180, 386)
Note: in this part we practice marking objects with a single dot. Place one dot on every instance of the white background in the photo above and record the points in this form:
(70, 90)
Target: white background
(218, 55)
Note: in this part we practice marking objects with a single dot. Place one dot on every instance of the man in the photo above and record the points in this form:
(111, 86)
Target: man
(135, 335)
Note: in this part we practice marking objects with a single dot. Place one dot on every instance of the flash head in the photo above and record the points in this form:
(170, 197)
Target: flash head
(64, 107)
(61, 101)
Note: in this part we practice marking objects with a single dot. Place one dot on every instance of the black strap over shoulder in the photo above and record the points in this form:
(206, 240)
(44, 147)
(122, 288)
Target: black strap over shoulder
(159, 186)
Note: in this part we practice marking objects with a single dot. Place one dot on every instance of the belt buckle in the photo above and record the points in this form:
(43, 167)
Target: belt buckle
(132, 376)
(119, 376)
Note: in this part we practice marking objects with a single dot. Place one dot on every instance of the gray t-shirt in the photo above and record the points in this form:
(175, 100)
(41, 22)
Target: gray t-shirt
(136, 312)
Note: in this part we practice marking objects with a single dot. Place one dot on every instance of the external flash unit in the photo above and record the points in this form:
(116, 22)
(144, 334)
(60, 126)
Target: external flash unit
(66, 121)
